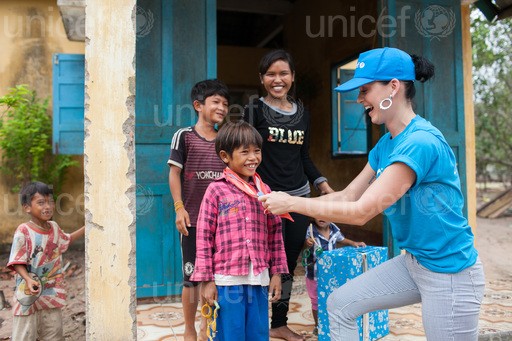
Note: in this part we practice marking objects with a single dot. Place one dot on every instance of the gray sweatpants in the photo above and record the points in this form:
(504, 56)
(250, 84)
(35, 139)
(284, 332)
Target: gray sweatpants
(44, 325)
(450, 302)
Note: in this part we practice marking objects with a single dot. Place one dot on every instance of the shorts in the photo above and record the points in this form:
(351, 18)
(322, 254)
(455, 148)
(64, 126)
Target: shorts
(311, 285)
(188, 256)
(42, 325)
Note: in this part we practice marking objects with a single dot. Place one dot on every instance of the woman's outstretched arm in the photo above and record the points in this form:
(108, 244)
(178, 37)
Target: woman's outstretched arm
(345, 206)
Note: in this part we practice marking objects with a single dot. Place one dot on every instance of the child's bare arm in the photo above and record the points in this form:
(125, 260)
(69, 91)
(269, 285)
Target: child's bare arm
(77, 234)
(32, 285)
(275, 288)
(309, 242)
(182, 217)
(349, 242)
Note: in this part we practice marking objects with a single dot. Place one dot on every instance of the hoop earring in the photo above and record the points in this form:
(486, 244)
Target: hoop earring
(389, 99)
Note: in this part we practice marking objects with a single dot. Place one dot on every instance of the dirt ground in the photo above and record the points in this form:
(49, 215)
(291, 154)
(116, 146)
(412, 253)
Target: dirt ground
(493, 240)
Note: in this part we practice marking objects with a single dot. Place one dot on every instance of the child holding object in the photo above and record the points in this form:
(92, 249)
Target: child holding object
(36, 256)
(321, 236)
(240, 252)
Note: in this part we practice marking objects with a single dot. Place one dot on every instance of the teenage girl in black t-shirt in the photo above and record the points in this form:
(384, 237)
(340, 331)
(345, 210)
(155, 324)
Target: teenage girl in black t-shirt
(286, 166)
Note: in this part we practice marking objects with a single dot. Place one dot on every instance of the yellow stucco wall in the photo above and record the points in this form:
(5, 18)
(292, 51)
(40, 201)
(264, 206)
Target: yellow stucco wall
(30, 33)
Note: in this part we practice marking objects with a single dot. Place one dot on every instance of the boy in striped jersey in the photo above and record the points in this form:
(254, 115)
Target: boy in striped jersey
(193, 165)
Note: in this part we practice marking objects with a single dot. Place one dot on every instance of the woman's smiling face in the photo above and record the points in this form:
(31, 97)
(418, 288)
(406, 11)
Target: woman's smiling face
(278, 79)
(370, 96)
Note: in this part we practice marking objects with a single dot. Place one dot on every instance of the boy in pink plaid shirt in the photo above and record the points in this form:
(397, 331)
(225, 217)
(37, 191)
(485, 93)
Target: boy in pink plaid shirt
(239, 250)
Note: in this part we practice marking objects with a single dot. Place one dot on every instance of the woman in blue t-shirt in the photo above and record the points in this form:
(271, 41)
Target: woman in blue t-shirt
(412, 177)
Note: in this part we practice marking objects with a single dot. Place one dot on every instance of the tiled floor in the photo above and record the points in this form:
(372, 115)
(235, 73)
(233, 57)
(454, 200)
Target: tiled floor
(163, 321)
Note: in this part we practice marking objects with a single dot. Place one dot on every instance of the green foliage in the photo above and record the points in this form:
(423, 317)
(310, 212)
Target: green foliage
(25, 141)
(492, 79)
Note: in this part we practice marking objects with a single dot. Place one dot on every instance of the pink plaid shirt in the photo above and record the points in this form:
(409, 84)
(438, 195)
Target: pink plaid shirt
(233, 230)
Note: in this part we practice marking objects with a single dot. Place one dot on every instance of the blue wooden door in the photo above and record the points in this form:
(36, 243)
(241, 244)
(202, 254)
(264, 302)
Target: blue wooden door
(433, 30)
(176, 47)
(68, 103)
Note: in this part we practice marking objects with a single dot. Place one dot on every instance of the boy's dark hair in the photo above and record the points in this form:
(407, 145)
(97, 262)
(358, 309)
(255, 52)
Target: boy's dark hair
(210, 87)
(29, 190)
(233, 135)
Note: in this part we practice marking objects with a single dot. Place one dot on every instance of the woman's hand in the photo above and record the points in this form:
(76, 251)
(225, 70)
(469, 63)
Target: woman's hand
(274, 289)
(276, 202)
(325, 188)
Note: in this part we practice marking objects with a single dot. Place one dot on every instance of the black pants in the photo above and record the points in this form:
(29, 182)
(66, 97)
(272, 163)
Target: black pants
(294, 235)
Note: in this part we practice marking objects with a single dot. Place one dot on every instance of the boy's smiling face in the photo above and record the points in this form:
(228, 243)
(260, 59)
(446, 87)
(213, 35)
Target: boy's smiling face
(214, 109)
(41, 208)
(243, 161)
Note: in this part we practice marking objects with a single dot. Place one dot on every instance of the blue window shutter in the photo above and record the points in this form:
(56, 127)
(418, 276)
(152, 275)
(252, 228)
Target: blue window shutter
(68, 103)
(351, 132)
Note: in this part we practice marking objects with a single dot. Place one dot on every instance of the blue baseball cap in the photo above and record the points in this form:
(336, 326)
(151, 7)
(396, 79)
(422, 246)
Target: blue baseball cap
(382, 64)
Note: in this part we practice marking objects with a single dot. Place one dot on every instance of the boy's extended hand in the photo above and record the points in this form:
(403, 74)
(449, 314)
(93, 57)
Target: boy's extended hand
(209, 292)
(182, 221)
(310, 242)
(358, 244)
(274, 289)
(33, 286)
(78, 234)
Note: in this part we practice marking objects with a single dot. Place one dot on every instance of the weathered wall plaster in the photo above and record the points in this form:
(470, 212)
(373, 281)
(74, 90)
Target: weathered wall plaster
(110, 170)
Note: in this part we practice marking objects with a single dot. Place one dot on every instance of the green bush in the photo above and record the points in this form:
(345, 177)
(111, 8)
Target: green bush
(25, 141)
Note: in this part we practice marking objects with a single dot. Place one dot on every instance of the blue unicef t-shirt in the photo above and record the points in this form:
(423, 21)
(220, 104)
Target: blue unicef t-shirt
(427, 221)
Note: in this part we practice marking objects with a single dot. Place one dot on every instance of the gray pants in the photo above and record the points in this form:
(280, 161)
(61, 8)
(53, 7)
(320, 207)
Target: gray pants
(450, 302)
(44, 325)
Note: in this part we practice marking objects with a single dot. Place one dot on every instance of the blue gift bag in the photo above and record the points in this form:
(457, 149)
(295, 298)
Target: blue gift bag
(336, 267)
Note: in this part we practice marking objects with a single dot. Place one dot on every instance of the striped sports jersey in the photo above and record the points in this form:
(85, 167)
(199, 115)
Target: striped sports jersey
(200, 165)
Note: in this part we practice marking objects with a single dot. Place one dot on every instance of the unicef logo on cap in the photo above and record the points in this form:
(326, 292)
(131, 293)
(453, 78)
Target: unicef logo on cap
(435, 22)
